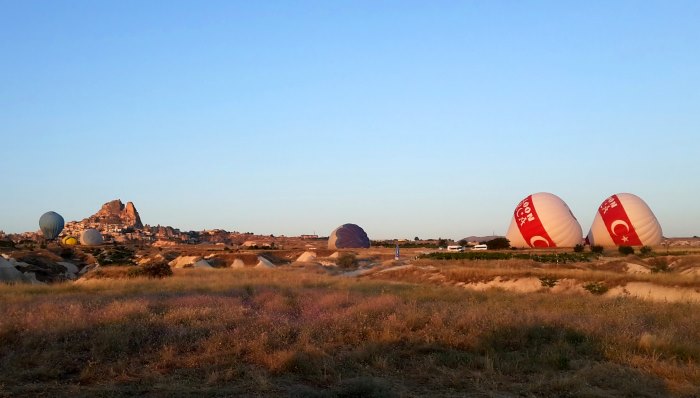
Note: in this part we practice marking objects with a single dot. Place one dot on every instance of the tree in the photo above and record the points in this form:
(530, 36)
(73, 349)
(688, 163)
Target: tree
(462, 242)
(626, 250)
(596, 249)
(578, 248)
(416, 239)
(497, 244)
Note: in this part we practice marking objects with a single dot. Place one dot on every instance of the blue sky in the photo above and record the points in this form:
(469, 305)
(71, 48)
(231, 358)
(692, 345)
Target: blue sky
(408, 118)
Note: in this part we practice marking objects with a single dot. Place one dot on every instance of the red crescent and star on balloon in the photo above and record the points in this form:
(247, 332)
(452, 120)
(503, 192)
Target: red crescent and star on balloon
(618, 223)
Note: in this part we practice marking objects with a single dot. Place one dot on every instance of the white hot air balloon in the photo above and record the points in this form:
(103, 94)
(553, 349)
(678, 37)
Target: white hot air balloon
(625, 220)
(91, 237)
(543, 220)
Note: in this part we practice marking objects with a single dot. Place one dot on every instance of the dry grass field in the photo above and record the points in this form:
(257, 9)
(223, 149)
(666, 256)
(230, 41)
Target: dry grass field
(300, 332)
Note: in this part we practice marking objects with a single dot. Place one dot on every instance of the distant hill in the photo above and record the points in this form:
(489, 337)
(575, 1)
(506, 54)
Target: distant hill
(481, 238)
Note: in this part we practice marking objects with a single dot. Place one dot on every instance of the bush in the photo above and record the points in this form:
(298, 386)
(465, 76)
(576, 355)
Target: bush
(597, 249)
(578, 248)
(597, 288)
(159, 269)
(646, 250)
(548, 281)
(7, 244)
(625, 250)
(67, 252)
(659, 265)
(346, 260)
(118, 255)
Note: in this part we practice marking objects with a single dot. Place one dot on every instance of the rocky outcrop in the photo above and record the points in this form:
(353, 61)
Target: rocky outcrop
(37, 267)
(116, 213)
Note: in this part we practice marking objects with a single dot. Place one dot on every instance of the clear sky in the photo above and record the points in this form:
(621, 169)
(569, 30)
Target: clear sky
(409, 118)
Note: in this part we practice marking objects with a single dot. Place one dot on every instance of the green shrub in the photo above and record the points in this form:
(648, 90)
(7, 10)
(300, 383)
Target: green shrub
(548, 281)
(646, 250)
(7, 244)
(346, 260)
(159, 269)
(626, 250)
(118, 255)
(597, 249)
(659, 265)
(578, 248)
(596, 287)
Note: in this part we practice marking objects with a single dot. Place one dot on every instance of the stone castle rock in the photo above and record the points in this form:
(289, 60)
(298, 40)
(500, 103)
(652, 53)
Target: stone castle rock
(115, 212)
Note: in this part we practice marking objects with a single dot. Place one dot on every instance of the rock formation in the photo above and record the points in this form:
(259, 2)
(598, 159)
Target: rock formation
(115, 212)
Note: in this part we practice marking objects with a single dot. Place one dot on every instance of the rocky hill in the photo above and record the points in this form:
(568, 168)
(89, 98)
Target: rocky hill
(115, 212)
(481, 238)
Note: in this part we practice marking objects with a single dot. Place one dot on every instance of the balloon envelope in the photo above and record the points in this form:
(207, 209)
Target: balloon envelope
(625, 219)
(348, 236)
(70, 241)
(543, 220)
(51, 224)
(91, 237)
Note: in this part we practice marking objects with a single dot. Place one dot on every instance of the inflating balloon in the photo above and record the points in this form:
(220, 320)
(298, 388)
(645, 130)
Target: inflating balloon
(348, 236)
(625, 220)
(543, 220)
(69, 240)
(91, 237)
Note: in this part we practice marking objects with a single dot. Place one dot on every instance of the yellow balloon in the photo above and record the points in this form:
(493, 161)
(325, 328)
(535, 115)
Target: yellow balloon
(70, 241)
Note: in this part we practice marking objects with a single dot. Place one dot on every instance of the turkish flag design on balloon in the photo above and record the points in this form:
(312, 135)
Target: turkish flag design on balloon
(530, 225)
(618, 223)
(543, 220)
(625, 219)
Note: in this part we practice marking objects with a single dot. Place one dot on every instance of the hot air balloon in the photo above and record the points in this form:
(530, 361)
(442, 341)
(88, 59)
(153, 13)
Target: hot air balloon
(543, 220)
(91, 237)
(69, 240)
(348, 236)
(625, 220)
(51, 224)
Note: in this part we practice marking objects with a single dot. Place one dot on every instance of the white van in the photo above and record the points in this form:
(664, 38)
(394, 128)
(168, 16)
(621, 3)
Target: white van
(480, 247)
(455, 248)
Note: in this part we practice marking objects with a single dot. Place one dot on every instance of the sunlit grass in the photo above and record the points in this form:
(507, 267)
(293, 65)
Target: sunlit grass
(294, 332)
